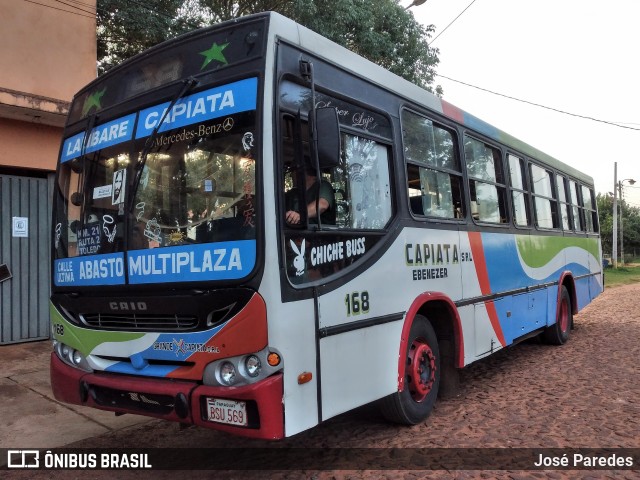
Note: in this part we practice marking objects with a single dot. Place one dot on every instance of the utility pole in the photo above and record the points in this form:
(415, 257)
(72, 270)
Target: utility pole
(631, 182)
(621, 225)
(614, 255)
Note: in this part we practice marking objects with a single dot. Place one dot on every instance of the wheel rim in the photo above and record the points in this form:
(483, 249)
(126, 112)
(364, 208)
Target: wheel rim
(563, 315)
(421, 370)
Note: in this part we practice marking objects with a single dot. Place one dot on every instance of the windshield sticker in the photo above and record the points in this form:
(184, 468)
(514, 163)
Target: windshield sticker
(89, 239)
(105, 269)
(109, 227)
(93, 101)
(176, 237)
(152, 230)
(298, 261)
(140, 207)
(247, 141)
(211, 261)
(58, 234)
(119, 178)
(103, 136)
(214, 53)
(103, 191)
(213, 103)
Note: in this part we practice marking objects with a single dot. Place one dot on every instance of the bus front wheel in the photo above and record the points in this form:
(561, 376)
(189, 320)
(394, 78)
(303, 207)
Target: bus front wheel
(558, 333)
(421, 377)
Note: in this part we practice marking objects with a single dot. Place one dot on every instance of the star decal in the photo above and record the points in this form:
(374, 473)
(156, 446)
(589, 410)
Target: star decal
(214, 53)
(92, 101)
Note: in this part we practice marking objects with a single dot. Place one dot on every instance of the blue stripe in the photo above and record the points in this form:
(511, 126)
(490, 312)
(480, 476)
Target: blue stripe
(213, 103)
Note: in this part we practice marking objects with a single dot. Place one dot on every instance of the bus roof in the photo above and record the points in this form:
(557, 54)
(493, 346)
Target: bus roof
(322, 47)
(288, 30)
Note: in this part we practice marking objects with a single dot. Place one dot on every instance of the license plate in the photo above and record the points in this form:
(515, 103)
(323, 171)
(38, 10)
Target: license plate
(227, 411)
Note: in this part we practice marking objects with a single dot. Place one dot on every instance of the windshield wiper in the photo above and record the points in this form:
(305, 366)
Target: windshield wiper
(189, 83)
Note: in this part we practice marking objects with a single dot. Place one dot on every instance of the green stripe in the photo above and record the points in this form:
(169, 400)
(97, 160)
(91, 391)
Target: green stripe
(537, 251)
(83, 339)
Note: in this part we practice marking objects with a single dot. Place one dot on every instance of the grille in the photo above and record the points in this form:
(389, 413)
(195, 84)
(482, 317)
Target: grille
(140, 322)
(142, 402)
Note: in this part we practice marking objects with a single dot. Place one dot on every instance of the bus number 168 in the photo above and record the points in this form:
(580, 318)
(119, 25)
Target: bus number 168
(357, 303)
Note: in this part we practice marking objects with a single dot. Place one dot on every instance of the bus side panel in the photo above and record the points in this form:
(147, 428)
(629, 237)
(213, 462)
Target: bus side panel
(359, 375)
(596, 282)
(361, 365)
(583, 295)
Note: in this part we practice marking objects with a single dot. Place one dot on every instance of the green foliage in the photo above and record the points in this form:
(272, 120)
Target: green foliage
(630, 227)
(379, 30)
(127, 27)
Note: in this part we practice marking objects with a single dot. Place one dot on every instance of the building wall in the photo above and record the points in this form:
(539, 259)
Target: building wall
(29, 145)
(52, 53)
(48, 53)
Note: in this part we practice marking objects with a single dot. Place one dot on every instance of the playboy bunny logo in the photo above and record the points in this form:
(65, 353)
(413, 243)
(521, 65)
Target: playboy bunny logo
(298, 262)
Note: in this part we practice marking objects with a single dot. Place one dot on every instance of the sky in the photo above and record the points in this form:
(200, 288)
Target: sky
(578, 56)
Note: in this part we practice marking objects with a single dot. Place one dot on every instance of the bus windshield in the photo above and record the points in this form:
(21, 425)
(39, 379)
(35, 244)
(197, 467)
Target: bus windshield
(190, 217)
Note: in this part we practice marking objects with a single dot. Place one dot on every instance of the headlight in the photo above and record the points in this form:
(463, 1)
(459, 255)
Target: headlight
(243, 369)
(253, 365)
(228, 373)
(71, 356)
(77, 357)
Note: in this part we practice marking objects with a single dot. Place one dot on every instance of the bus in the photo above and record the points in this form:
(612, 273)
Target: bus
(256, 230)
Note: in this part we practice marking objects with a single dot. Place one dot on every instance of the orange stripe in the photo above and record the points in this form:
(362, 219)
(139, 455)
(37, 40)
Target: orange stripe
(475, 240)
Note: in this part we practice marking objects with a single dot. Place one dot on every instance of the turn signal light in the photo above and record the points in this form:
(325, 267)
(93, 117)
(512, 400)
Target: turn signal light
(273, 359)
(304, 377)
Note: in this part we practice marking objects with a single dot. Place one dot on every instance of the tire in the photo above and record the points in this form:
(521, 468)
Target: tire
(558, 333)
(421, 377)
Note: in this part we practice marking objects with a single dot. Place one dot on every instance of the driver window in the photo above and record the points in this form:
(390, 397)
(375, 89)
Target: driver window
(356, 194)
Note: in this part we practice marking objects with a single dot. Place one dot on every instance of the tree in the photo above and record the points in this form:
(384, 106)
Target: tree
(631, 224)
(127, 27)
(605, 218)
(379, 30)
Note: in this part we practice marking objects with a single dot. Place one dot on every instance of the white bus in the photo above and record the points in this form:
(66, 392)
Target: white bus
(193, 280)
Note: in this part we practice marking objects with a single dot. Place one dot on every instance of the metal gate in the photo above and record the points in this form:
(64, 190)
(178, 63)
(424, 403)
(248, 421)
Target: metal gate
(25, 226)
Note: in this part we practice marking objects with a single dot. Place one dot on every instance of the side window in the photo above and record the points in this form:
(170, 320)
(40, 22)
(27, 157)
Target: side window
(564, 202)
(544, 202)
(356, 194)
(486, 182)
(589, 210)
(361, 184)
(519, 194)
(578, 221)
(433, 168)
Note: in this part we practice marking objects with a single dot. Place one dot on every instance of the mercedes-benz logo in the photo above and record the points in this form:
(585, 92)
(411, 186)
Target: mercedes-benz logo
(227, 124)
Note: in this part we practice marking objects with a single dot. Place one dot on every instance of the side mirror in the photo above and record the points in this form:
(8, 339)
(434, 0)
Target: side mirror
(328, 136)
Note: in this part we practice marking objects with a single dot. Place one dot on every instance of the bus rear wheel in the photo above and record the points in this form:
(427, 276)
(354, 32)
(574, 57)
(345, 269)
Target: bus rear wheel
(558, 333)
(421, 377)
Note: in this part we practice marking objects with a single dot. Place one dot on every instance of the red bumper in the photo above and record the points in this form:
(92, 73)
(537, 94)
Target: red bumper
(178, 401)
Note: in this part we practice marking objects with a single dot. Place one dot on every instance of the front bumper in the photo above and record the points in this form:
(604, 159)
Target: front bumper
(174, 400)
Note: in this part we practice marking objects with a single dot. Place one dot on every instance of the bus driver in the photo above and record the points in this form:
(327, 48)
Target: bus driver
(326, 204)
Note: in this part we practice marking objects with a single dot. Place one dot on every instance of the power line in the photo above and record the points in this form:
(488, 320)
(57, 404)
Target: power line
(60, 9)
(538, 104)
(452, 21)
(84, 4)
(76, 7)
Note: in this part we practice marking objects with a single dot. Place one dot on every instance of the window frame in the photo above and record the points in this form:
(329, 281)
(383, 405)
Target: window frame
(553, 200)
(525, 190)
(458, 204)
(501, 188)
